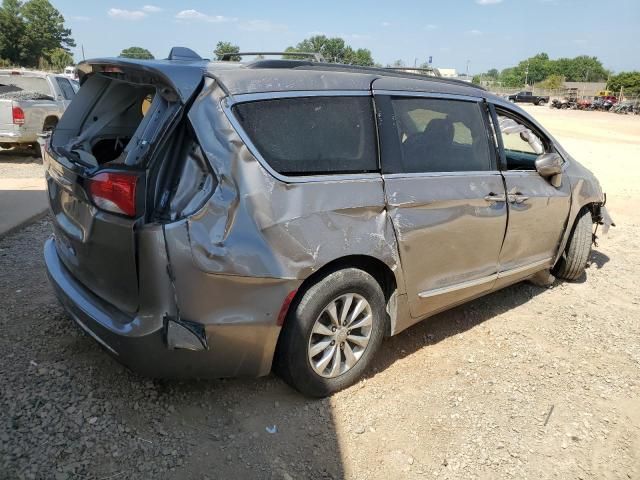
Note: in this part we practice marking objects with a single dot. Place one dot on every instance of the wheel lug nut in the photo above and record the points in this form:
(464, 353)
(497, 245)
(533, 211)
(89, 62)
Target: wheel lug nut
(333, 329)
(333, 342)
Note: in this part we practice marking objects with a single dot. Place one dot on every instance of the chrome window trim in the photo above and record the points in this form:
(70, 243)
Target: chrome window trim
(254, 97)
(229, 102)
(474, 173)
(445, 96)
(481, 281)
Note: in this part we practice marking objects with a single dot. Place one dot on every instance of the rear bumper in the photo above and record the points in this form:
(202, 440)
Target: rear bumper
(18, 136)
(140, 342)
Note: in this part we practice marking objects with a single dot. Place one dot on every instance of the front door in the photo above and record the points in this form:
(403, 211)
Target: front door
(445, 196)
(538, 211)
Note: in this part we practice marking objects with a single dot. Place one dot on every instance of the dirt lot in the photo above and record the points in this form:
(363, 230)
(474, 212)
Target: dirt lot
(524, 383)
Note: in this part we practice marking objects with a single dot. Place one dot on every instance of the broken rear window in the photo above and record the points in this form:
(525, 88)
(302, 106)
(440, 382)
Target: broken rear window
(112, 121)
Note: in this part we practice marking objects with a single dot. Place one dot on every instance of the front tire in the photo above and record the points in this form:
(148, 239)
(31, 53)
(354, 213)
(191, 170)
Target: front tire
(332, 333)
(573, 261)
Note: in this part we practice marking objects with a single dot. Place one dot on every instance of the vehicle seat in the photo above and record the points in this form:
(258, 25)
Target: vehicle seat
(431, 150)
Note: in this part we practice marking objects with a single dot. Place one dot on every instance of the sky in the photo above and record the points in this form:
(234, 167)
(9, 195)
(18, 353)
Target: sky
(460, 34)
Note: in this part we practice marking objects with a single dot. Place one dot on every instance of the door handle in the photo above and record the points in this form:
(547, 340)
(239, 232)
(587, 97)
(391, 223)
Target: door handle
(517, 198)
(492, 197)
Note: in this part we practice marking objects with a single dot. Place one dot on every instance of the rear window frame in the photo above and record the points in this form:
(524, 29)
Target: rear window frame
(230, 102)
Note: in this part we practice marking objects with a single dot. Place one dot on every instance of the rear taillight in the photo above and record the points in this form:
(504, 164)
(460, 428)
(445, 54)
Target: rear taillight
(114, 192)
(18, 116)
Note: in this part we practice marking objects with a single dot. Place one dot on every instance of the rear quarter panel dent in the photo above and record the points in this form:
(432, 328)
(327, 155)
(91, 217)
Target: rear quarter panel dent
(257, 226)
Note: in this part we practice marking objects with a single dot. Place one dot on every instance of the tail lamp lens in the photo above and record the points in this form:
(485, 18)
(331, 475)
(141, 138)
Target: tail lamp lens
(18, 116)
(114, 192)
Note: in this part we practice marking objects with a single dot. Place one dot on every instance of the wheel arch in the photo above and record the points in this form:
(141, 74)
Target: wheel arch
(375, 267)
(50, 121)
(594, 209)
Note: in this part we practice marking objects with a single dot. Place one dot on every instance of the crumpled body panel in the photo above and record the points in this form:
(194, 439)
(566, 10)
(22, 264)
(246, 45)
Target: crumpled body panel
(255, 225)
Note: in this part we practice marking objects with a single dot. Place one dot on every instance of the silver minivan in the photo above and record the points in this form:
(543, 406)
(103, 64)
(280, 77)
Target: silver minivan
(219, 219)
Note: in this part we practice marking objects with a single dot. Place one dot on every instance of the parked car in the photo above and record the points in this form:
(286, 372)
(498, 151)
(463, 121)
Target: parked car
(528, 97)
(31, 103)
(292, 213)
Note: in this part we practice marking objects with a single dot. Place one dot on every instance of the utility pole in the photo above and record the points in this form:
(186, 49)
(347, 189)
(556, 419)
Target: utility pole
(82, 47)
(468, 68)
(526, 75)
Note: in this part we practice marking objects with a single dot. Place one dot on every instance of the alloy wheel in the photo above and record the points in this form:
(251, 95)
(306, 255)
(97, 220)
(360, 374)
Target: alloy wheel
(340, 335)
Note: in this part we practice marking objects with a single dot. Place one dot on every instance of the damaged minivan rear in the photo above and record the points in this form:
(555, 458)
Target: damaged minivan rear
(123, 162)
(216, 219)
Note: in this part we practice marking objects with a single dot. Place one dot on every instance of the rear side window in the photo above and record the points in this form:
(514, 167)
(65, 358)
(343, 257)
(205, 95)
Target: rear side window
(438, 135)
(313, 135)
(67, 89)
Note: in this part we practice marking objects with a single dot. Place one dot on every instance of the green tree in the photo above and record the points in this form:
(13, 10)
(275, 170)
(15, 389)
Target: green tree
(136, 52)
(44, 32)
(227, 47)
(493, 74)
(534, 69)
(477, 79)
(334, 50)
(512, 77)
(628, 81)
(361, 56)
(579, 69)
(59, 59)
(552, 82)
(12, 27)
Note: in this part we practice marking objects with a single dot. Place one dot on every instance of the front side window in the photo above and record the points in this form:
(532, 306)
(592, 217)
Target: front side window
(522, 145)
(438, 135)
(313, 135)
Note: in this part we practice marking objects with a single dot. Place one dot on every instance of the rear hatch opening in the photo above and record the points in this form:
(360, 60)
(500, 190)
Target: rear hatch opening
(101, 171)
(115, 119)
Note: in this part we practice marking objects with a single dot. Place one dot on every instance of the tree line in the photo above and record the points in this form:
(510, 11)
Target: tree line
(544, 72)
(33, 34)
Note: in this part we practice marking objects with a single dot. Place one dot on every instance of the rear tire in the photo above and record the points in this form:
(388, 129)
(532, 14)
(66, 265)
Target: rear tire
(542, 103)
(573, 261)
(312, 314)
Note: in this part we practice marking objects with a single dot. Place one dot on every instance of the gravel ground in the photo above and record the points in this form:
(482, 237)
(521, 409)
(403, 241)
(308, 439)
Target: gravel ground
(524, 383)
(20, 163)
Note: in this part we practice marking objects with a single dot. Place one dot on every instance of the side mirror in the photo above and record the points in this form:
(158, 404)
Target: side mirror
(549, 166)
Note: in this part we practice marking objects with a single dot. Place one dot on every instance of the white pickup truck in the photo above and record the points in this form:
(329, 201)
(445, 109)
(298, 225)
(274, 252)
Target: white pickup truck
(31, 103)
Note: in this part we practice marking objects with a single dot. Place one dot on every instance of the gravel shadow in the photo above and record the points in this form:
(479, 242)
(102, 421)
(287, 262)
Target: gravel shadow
(71, 411)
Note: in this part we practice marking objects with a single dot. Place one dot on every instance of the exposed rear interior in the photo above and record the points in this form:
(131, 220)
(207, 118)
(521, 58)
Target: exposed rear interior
(113, 121)
(123, 156)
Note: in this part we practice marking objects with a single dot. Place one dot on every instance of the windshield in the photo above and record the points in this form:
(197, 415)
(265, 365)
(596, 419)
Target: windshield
(25, 83)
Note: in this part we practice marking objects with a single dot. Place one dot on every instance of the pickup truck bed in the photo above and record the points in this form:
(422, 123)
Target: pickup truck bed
(30, 103)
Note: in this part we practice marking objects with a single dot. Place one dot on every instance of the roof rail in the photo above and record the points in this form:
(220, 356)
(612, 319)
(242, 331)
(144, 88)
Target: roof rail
(183, 53)
(386, 72)
(225, 57)
(417, 70)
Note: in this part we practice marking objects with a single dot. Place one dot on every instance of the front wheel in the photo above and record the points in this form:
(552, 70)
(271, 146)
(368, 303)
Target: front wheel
(542, 103)
(573, 261)
(332, 333)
